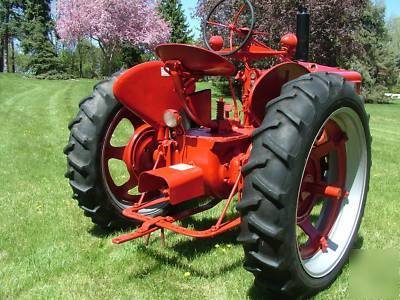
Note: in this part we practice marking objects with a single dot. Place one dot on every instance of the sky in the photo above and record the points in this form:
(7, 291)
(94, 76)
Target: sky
(392, 10)
(189, 6)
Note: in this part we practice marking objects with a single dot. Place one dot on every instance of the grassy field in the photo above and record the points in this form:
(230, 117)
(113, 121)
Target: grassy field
(49, 250)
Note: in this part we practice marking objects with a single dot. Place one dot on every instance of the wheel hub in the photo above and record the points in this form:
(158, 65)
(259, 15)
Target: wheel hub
(137, 156)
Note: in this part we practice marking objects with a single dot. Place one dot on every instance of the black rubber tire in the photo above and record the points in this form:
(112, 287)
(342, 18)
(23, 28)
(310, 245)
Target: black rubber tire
(273, 175)
(84, 154)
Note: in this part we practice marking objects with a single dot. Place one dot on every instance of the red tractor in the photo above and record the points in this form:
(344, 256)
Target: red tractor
(292, 151)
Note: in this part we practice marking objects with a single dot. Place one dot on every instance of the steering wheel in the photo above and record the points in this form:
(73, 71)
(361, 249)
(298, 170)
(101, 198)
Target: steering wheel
(220, 23)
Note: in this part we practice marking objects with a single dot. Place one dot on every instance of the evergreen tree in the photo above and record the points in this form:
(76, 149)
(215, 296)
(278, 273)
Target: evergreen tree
(377, 61)
(9, 20)
(36, 27)
(172, 12)
(394, 32)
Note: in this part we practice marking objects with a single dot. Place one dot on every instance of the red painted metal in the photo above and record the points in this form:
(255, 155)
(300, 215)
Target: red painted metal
(196, 60)
(313, 188)
(151, 225)
(158, 223)
(198, 157)
(268, 87)
(183, 182)
(136, 91)
(141, 141)
(200, 104)
(216, 42)
(289, 42)
(218, 154)
(349, 75)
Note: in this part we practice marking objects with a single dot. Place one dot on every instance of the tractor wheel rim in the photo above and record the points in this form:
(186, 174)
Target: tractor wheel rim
(120, 193)
(338, 222)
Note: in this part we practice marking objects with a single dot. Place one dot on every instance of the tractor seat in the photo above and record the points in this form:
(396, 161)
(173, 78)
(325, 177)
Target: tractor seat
(196, 60)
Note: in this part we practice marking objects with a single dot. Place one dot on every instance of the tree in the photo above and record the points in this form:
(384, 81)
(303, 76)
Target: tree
(394, 33)
(35, 42)
(172, 12)
(83, 60)
(349, 33)
(9, 20)
(376, 62)
(111, 23)
(333, 24)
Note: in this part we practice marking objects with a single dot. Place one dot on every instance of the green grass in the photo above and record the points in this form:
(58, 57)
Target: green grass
(49, 250)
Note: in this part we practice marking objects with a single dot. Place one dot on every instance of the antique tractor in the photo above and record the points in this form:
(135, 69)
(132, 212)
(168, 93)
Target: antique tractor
(292, 151)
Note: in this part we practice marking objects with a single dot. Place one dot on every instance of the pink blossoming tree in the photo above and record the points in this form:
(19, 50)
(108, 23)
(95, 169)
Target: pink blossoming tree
(111, 23)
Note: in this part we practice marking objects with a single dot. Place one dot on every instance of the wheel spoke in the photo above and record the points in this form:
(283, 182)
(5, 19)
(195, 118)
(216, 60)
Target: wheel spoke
(322, 139)
(310, 230)
(217, 24)
(121, 192)
(239, 13)
(127, 186)
(133, 119)
(114, 152)
(231, 40)
(323, 150)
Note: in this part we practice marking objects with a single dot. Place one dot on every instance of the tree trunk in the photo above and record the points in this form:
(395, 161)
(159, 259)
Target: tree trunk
(80, 54)
(108, 56)
(109, 65)
(1, 54)
(12, 55)
(6, 38)
(5, 52)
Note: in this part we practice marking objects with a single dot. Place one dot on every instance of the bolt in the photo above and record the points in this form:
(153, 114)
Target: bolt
(324, 244)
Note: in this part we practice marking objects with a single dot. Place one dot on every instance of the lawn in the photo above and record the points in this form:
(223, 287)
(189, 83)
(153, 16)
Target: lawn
(48, 249)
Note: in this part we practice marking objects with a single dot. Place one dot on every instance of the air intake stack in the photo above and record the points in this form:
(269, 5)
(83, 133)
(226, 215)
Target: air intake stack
(303, 34)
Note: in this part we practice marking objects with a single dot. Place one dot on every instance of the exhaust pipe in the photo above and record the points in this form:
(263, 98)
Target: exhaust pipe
(303, 34)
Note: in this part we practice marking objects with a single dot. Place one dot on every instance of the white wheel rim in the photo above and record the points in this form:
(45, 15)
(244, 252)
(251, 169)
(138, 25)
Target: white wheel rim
(343, 230)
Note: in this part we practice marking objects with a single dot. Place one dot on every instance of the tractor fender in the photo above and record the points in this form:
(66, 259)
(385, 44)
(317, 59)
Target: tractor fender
(269, 85)
(148, 91)
(351, 76)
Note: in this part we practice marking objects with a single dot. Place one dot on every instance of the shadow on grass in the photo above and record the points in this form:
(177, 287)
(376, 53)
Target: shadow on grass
(189, 248)
(174, 261)
(257, 292)
(359, 242)
(100, 232)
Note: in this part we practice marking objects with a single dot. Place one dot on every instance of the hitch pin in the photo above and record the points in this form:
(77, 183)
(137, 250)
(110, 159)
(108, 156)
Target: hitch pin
(162, 238)
(147, 239)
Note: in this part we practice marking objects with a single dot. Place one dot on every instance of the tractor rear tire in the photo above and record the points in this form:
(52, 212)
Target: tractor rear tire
(83, 157)
(274, 174)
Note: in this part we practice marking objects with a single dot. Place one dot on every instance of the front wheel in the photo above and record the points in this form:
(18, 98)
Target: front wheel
(306, 185)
